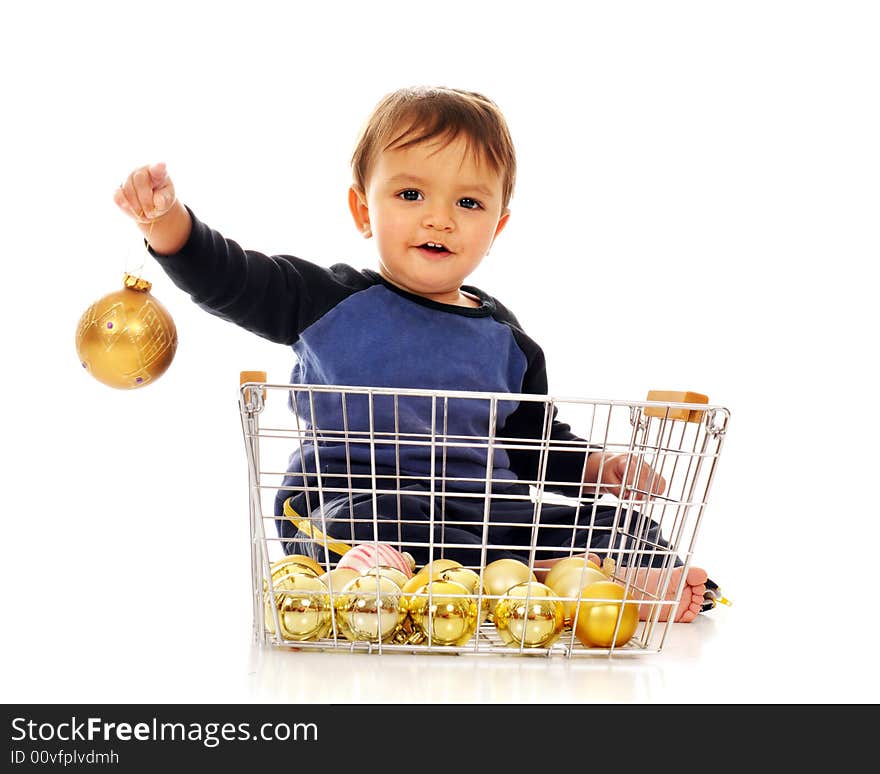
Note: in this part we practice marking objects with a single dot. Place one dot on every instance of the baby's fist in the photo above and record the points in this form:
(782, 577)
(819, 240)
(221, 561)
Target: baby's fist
(147, 193)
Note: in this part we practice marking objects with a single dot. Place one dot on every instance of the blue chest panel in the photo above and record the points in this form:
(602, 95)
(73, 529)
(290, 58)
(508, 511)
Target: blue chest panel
(377, 338)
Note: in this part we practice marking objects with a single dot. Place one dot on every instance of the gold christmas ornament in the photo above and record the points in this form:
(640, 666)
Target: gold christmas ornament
(563, 566)
(126, 339)
(368, 608)
(392, 573)
(444, 612)
(569, 583)
(336, 579)
(438, 565)
(502, 574)
(416, 582)
(303, 606)
(307, 561)
(463, 575)
(427, 572)
(598, 619)
(529, 615)
(295, 561)
(289, 565)
(471, 581)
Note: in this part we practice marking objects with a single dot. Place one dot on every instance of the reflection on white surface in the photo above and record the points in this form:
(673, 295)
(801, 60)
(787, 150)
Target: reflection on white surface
(747, 653)
(288, 675)
(319, 677)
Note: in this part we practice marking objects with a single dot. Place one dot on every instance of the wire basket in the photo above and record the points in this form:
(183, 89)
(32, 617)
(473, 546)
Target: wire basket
(380, 522)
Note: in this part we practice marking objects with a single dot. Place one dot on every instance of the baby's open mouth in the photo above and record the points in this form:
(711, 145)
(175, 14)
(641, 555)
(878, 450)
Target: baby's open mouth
(435, 247)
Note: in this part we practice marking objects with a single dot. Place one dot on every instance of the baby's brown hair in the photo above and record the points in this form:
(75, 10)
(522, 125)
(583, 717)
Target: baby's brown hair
(414, 115)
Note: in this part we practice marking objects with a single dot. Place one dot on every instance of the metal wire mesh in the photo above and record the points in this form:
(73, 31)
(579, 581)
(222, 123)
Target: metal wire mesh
(334, 468)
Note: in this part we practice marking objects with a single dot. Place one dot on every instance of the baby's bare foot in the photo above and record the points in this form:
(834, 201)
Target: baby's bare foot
(648, 581)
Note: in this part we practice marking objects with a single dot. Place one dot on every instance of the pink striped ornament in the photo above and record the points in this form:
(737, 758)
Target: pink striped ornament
(367, 556)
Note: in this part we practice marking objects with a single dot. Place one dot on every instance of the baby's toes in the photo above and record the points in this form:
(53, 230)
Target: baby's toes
(696, 576)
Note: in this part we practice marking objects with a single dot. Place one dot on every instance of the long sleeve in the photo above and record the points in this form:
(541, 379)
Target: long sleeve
(276, 297)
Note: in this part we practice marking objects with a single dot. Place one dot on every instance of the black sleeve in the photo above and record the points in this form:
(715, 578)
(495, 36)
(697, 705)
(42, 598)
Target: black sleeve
(530, 418)
(276, 297)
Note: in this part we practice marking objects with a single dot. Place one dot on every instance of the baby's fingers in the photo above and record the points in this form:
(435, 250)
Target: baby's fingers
(649, 483)
(146, 194)
(135, 195)
(124, 202)
(163, 188)
(158, 174)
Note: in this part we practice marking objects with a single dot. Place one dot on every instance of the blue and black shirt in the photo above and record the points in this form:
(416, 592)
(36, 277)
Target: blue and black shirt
(351, 327)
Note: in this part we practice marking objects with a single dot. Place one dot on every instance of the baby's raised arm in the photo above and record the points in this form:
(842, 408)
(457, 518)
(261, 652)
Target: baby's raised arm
(147, 197)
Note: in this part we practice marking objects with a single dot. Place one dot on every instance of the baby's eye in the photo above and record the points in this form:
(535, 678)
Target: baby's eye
(410, 195)
(470, 204)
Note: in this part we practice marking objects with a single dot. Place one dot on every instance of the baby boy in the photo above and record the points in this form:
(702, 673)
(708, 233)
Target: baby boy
(433, 175)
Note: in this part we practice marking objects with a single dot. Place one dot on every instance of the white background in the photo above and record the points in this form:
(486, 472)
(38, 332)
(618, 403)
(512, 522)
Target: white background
(696, 208)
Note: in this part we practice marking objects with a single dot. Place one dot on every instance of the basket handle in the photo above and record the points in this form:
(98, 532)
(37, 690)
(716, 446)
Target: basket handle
(676, 396)
(252, 376)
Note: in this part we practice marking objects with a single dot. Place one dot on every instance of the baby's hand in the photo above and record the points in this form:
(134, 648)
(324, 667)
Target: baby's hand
(622, 477)
(147, 194)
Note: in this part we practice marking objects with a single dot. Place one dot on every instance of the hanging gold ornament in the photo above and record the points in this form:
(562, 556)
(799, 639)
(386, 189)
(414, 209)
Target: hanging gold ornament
(502, 574)
(597, 619)
(368, 608)
(529, 614)
(570, 581)
(126, 339)
(303, 607)
(444, 611)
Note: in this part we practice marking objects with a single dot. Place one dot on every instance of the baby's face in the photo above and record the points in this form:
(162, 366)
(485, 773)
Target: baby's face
(435, 212)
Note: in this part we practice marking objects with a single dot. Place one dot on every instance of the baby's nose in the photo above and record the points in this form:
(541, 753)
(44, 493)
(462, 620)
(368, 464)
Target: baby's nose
(439, 218)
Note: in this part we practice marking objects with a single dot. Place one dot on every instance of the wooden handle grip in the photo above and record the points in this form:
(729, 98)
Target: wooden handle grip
(675, 396)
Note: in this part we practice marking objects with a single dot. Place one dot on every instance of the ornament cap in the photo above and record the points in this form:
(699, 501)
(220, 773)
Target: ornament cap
(136, 283)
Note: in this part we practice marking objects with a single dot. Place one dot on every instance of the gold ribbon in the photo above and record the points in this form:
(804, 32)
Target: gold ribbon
(305, 525)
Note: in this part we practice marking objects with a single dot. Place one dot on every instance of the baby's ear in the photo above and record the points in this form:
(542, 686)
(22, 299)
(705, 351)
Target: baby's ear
(360, 212)
(502, 222)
